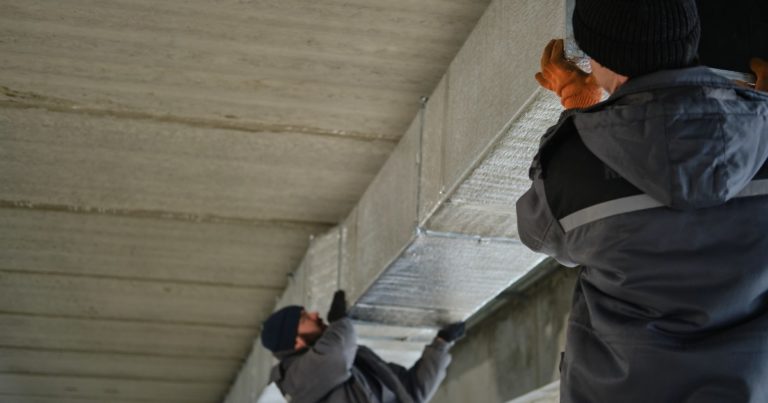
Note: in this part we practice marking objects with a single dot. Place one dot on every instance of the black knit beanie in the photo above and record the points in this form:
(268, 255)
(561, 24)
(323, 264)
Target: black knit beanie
(279, 331)
(637, 37)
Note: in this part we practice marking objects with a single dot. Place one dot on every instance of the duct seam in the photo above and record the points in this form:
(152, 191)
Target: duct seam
(446, 196)
(420, 157)
(339, 257)
(477, 238)
(391, 261)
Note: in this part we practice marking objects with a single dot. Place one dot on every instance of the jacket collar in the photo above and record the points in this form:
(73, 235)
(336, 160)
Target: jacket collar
(691, 76)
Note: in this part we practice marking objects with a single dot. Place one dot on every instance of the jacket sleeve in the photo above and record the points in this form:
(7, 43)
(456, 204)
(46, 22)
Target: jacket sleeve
(425, 376)
(323, 367)
(538, 228)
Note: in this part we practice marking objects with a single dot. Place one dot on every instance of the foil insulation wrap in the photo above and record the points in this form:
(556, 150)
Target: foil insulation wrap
(442, 278)
(484, 203)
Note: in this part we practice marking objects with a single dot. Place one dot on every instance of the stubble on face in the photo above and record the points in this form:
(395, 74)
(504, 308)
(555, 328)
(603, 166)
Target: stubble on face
(311, 327)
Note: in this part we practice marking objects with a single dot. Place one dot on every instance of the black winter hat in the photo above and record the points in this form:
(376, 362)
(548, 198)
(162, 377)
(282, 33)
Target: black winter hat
(279, 330)
(637, 37)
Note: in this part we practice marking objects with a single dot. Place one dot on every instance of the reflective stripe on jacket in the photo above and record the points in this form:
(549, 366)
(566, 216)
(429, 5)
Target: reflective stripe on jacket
(660, 195)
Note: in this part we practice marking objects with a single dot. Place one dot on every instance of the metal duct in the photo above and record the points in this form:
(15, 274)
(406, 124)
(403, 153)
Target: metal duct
(467, 252)
(439, 276)
(442, 278)
(434, 237)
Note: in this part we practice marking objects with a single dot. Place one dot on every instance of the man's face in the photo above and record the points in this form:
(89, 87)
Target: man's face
(311, 327)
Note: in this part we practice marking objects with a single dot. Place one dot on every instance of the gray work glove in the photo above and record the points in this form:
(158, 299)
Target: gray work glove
(338, 307)
(452, 332)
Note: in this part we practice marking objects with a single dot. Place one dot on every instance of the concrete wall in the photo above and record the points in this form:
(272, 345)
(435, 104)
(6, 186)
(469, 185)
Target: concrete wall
(516, 348)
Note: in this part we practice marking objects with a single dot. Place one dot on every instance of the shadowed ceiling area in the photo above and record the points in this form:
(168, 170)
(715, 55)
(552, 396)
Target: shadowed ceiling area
(164, 163)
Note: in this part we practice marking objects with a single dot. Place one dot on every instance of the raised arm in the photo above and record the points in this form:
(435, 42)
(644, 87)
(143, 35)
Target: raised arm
(537, 227)
(425, 376)
(328, 363)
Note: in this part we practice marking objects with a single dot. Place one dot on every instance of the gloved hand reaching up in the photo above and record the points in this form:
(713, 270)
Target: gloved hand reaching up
(760, 67)
(338, 308)
(452, 332)
(575, 88)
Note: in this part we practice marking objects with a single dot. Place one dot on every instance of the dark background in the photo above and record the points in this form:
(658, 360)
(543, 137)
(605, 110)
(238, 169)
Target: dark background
(733, 31)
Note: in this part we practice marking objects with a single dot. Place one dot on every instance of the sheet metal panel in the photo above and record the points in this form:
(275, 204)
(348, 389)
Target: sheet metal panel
(322, 271)
(443, 278)
(484, 203)
(348, 271)
(492, 77)
(432, 184)
(386, 214)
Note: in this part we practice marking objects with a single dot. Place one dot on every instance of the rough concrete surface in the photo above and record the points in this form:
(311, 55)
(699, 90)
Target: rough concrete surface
(123, 337)
(122, 389)
(95, 364)
(153, 301)
(354, 68)
(514, 350)
(117, 164)
(125, 247)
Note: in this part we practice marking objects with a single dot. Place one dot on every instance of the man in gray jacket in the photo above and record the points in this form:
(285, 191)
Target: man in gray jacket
(660, 195)
(324, 363)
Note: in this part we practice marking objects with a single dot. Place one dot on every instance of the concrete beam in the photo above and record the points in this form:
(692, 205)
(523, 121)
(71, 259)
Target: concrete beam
(354, 69)
(72, 363)
(107, 389)
(147, 301)
(136, 167)
(123, 337)
(163, 163)
(105, 246)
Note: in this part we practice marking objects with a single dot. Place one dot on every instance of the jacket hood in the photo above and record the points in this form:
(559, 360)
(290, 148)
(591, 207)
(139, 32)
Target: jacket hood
(688, 138)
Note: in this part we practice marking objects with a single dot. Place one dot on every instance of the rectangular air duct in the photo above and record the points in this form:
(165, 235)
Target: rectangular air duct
(434, 237)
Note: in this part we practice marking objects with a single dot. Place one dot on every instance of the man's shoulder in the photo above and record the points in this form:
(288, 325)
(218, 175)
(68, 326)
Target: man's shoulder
(575, 178)
(367, 353)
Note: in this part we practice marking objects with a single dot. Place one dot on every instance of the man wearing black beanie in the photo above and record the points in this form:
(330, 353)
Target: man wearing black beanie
(324, 363)
(660, 195)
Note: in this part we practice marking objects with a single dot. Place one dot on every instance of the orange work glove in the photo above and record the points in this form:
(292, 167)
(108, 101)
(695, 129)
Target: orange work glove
(575, 88)
(760, 67)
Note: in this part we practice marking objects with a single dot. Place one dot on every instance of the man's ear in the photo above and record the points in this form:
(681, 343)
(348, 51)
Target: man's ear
(300, 343)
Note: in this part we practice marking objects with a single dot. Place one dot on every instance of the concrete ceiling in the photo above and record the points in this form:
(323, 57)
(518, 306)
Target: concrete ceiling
(162, 165)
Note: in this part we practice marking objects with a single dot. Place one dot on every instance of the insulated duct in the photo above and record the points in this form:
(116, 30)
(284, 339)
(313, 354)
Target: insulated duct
(466, 251)
(434, 237)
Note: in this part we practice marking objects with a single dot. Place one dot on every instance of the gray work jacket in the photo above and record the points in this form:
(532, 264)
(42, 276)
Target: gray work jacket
(659, 194)
(337, 370)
